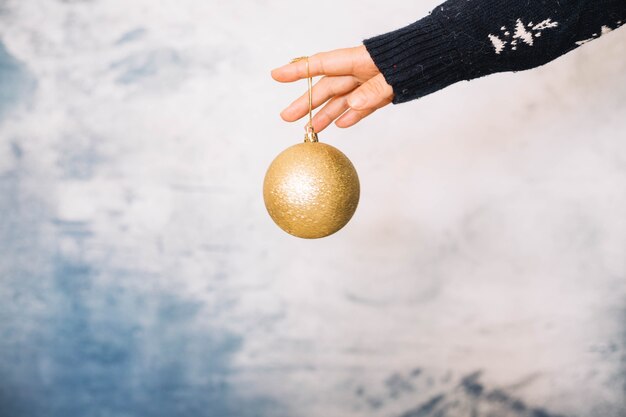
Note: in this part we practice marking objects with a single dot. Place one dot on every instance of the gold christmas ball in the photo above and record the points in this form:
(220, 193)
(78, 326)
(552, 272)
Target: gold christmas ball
(311, 190)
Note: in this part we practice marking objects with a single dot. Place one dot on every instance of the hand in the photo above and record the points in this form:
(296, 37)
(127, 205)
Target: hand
(352, 87)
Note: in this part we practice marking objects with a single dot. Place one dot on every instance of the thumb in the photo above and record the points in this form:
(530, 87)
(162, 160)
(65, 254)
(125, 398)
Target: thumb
(374, 94)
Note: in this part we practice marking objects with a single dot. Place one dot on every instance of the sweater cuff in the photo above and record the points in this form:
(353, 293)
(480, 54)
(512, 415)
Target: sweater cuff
(418, 59)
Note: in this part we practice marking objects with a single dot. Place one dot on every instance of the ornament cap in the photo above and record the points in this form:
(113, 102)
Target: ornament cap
(310, 135)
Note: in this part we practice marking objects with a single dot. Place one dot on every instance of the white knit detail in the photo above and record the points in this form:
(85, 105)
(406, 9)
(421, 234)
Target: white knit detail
(546, 24)
(498, 43)
(523, 33)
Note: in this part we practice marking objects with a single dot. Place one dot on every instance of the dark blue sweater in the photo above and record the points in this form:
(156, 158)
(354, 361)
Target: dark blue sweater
(466, 39)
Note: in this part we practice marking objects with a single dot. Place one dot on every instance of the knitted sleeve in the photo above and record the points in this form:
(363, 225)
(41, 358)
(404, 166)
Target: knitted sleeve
(467, 39)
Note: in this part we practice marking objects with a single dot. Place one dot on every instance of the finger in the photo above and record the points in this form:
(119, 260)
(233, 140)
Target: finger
(374, 94)
(337, 62)
(333, 109)
(352, 117)
(323, 90)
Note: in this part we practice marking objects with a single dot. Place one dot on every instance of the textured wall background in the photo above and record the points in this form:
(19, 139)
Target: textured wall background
(484, 273)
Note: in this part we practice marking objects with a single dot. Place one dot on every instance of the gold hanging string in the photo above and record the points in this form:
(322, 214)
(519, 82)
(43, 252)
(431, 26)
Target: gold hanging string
(310, 135)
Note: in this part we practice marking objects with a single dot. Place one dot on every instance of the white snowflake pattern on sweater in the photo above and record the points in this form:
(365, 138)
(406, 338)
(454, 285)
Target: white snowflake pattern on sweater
(523, 34)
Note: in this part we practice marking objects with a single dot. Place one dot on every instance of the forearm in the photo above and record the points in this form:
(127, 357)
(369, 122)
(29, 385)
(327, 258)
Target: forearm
(467, 39)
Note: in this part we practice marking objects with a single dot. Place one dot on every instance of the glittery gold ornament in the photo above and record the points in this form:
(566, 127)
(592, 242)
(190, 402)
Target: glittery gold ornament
(311, 190)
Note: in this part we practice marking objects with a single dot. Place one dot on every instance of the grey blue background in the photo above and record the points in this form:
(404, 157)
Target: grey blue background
(484, 273)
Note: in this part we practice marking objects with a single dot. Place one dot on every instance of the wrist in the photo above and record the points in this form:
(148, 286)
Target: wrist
(418, 59)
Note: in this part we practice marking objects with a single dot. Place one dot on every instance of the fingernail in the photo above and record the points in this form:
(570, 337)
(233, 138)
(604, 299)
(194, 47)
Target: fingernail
(356, 101)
